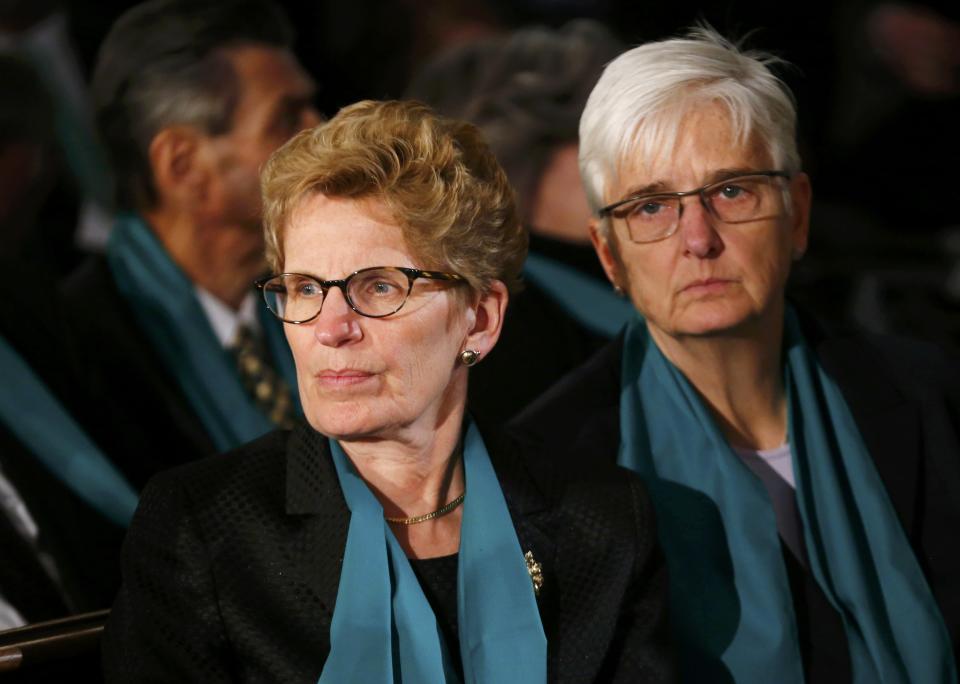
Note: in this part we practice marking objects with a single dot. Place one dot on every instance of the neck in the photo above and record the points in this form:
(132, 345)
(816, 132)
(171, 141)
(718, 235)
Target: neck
(223, 260)
(739, 377)
(417, 472)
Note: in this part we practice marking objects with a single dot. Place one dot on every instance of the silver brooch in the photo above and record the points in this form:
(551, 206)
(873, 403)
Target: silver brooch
(536, 572)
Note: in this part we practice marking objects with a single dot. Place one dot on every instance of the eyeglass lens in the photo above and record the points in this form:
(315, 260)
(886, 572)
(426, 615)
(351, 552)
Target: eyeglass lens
(736, 200)
(372, 292)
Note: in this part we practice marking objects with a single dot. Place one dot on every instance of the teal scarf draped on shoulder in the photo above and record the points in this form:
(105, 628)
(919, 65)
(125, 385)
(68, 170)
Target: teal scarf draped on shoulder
(384, 630)
(164, 302)
(730, 599)
(590, 302)
(41, 424)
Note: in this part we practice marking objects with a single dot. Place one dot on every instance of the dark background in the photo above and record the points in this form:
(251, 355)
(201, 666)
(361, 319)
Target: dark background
(881, 150)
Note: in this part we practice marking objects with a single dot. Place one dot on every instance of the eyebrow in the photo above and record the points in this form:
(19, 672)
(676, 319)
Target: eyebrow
(661, 187)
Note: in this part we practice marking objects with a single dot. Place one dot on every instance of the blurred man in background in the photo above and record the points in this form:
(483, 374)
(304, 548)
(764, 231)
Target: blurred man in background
(191, 98)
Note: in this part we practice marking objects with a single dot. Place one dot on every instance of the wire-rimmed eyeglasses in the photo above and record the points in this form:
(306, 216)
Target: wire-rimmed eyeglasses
(373, 292)
(656, 216)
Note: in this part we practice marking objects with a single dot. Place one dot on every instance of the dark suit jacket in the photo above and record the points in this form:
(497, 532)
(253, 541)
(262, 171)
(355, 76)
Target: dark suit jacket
(84, 545)
(905, 398)
(232, 565)
(146, 423)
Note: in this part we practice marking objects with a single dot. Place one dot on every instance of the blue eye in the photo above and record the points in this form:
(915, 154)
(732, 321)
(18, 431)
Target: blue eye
(308, 289)
(731, 191)
(648, 209)
(381, 288)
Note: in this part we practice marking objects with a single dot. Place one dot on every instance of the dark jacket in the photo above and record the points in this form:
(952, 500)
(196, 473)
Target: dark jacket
(81, 543)
(232, 565)
(905, 399)
(149, 424)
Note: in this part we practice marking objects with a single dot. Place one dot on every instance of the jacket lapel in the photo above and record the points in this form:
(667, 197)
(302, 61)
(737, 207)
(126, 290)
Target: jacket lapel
(316, 509)
(888, 422)
(533, 519)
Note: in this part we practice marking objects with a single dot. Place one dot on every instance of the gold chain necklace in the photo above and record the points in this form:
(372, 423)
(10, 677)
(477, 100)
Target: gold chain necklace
(440, 512)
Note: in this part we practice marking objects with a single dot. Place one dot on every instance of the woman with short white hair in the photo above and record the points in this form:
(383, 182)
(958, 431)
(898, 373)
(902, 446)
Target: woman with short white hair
(805, 485)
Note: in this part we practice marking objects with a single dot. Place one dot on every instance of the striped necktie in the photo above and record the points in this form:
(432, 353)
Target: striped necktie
(269, 390)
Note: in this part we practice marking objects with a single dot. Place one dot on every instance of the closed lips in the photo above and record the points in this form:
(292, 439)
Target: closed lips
(343, 377)
(707, 282)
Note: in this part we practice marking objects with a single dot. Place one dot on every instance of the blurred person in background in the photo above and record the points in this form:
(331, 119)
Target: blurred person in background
(191, 98)
(805, 484)
(77, 213)
(26, 158)
(62, 505)
(526, 90)
(890, 149)
(390, 538)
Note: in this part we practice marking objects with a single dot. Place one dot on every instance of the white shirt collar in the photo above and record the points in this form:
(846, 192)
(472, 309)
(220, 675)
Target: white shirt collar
(224, 320)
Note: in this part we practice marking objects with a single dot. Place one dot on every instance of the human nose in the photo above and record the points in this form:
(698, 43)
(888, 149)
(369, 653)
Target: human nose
(336, 324)
(698, 230)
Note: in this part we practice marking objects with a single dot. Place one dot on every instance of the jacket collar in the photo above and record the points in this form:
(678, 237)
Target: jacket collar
(312, 484)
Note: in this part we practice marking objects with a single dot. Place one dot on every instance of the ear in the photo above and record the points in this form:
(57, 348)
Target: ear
(801, 196)
(180, 172)
(607, 253)
(489, 310)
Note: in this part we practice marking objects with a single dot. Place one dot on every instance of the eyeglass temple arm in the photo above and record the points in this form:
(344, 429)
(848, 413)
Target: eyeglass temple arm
(439, 275)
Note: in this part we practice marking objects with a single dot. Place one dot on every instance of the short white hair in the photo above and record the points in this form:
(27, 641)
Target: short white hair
(638, 104)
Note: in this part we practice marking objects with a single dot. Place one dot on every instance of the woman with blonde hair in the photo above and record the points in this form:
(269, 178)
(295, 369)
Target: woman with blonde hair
(389, 538)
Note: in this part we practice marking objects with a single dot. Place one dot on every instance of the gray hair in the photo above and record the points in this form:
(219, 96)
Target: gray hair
(642, 97)
(162, 64)
(525, 90)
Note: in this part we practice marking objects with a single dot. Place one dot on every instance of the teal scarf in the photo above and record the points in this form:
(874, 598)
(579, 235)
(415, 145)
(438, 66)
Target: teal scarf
(384, 630)
(731, 604)
(38, 420)
(165, 304)
(589, 302)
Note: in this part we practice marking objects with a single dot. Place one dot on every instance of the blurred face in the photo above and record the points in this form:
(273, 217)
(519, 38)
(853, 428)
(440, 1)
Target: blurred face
(559, 207)
(707, 278)
(365, 377)
(275, 103)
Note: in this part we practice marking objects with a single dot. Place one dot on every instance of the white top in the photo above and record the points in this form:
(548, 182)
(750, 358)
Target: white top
(224, 320)
(774, 467)
(779, 459)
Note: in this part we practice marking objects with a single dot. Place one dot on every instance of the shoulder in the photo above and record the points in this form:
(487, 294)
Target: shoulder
(877, 367)
(250, 477)
(585, 497)
(590, 526)
(94, 302)
(580, 413)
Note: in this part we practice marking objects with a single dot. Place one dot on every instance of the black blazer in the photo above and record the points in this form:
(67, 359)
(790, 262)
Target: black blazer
(145, 422)
(231, 567)
(905, 398)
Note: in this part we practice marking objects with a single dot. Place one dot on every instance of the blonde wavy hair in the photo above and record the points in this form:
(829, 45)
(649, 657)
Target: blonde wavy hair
(436, 176)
